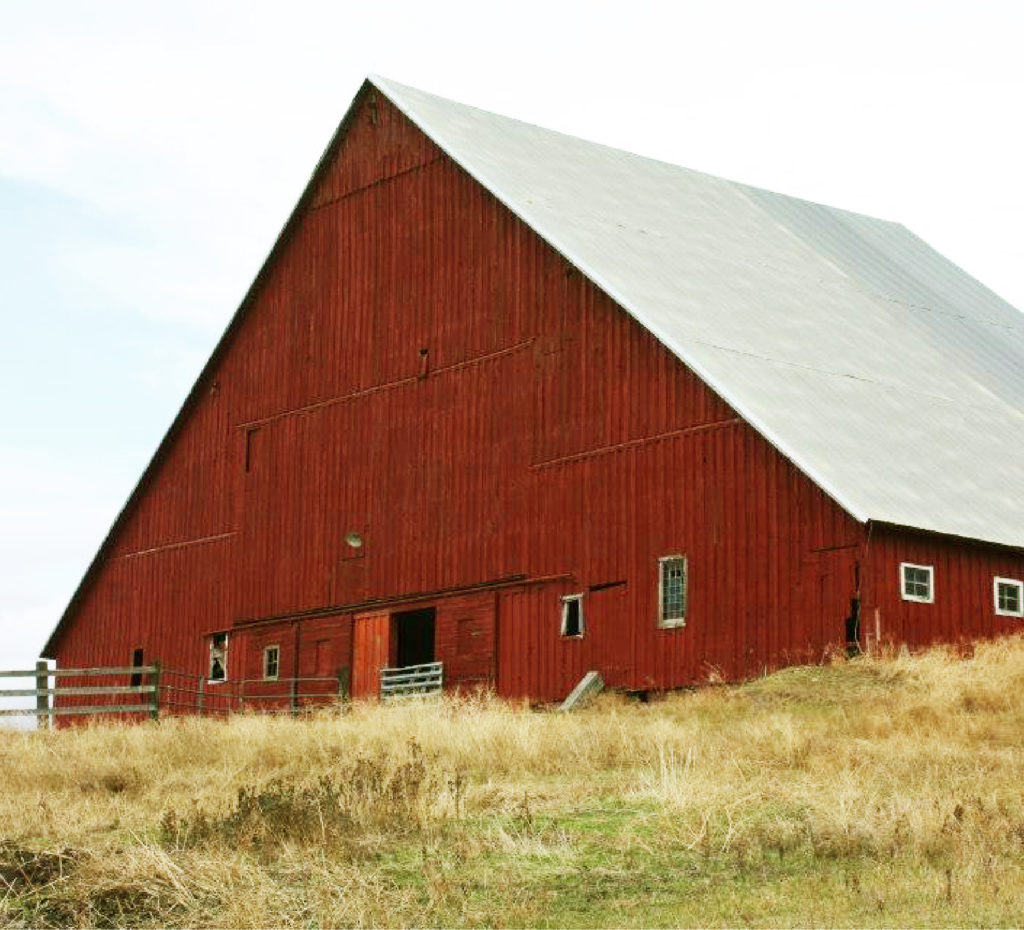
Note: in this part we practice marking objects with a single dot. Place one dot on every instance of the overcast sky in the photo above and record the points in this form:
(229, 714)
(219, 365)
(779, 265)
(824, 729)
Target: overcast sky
(149, 154)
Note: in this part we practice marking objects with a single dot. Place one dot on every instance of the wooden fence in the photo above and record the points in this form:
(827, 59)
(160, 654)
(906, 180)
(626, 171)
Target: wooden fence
(47, 705)
(154, 691)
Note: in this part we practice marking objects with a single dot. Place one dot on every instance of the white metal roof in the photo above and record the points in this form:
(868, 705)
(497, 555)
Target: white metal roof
(892, 378)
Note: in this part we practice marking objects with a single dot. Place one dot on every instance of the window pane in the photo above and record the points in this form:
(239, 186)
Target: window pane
(1009, 599)
(271, 661)
(673, 589)
(917, 582)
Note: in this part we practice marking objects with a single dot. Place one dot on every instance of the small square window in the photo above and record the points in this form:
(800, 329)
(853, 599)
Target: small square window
(271, 661)
(219, 657)
(572, 615)
(917, 582)
(672, 578)
(1009, 597)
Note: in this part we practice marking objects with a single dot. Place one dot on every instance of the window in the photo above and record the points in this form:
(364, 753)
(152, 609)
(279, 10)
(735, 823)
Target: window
(572, 615)
(219, 657)
(672, 591)
(271, 661)
(1009, 595)
(917, 582)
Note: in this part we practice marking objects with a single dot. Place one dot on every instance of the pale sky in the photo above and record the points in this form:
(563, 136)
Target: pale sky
(149, 154)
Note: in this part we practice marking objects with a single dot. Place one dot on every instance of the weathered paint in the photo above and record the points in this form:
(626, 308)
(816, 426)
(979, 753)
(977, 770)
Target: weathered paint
(414, 365)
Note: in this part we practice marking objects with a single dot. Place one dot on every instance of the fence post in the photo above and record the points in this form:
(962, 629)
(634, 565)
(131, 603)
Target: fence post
(295, 696)
(42, 694)
(154, 698)
(201, 699)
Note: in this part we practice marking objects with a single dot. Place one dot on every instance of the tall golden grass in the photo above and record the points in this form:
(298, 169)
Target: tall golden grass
(881, 791)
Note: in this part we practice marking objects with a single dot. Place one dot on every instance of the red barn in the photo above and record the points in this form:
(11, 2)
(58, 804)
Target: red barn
(528, 406)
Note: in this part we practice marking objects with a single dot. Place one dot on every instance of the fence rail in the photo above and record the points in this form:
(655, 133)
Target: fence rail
(61, 692)
(48, 708)
(188, 693)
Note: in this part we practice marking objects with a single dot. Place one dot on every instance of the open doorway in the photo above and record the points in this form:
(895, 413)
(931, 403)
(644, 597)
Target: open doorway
(414, 637)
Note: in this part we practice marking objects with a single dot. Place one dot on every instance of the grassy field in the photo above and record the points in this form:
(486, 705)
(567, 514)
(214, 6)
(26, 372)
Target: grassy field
(874, 792)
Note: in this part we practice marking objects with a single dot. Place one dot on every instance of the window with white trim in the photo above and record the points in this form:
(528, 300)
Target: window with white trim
(672, 579)
(917, 582)
(1009, 597)
(219, 657)
(572, 615)
(271, 662)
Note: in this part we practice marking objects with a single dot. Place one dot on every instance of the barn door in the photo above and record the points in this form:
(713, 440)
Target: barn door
(371, 647)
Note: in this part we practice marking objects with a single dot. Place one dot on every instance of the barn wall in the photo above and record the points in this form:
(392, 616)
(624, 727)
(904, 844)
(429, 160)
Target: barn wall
(771, 567)
(964, 572)
(164, 601)
(416, 366)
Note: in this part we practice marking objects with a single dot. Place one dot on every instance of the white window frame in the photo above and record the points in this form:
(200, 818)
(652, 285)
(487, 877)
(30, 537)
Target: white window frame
(1014, 582)
(930, 598)
(566, 599)
(670, 623)
(223, 658)
(276, 648)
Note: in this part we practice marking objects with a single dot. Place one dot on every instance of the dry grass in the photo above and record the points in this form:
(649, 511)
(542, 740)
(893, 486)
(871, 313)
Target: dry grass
(870, 793)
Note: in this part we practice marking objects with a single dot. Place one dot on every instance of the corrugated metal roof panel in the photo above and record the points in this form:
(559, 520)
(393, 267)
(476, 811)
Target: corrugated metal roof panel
(885, 372)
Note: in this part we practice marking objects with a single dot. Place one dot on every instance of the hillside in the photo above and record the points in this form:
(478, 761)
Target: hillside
(874, 792)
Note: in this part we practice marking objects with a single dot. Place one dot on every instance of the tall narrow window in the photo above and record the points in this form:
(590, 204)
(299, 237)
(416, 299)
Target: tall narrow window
(917, 582)
(1009, 596)
(219, 657)
(271, 661)
(672, 590)
(572, 615)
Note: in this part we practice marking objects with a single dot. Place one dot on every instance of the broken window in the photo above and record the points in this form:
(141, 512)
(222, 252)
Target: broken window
(271, 661)
(672, 590)
(572, 615)
(1009, 594)
(219, 657)
(917, 582)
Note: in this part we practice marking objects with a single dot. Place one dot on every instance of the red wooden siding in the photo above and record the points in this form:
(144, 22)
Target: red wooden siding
(465, 640)
(964, 607)
(165, 601)
(418, 367)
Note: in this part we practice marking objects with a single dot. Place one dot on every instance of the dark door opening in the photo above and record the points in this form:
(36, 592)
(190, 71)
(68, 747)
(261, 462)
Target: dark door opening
(136, 678)
(853, 628)
(414, 637)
